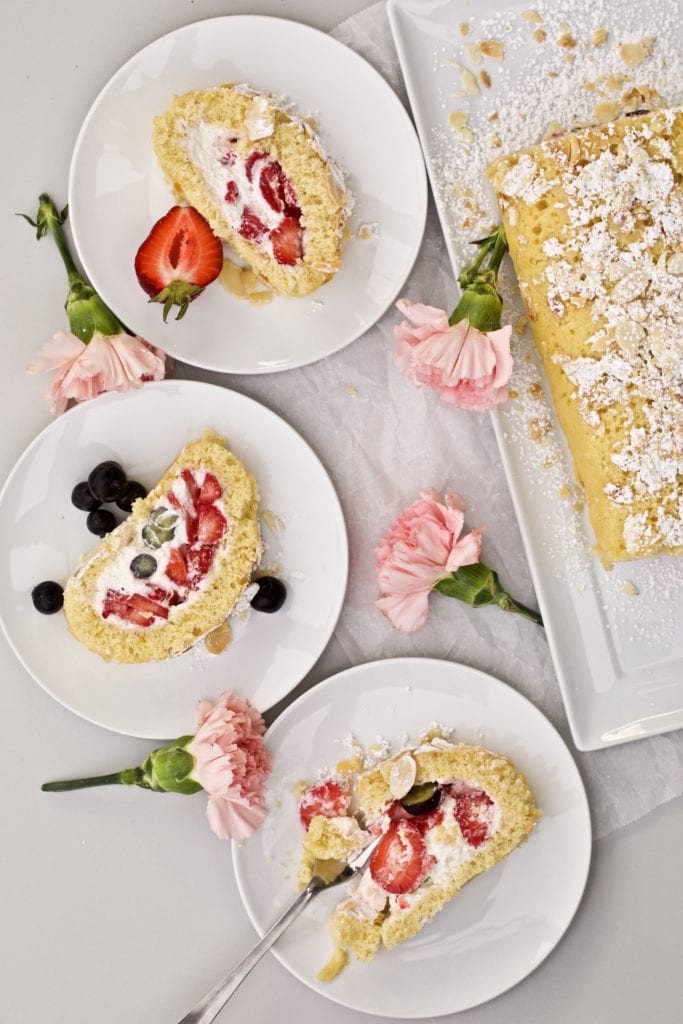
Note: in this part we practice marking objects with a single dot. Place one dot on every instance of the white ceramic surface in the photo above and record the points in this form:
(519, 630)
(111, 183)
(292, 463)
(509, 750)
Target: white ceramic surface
(116, 190)
(619, 660)
(43, 537)
(503, 923)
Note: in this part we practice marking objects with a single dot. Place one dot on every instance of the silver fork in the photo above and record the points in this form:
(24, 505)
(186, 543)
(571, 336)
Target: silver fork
(213, 1002)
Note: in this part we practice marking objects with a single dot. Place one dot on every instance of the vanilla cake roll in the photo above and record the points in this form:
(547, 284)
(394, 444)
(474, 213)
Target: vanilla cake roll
(174, 569)
(594, 220)
(464, 810)
(260, 177)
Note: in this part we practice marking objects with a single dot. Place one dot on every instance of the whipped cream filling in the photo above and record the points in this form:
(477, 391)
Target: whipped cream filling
(117, 574)
(211, 149)
(445, 846)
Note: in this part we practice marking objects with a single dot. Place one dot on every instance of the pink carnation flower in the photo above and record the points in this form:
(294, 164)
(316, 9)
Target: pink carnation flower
(232, 765)
(421, 547)
(463, 365)
(114, 363)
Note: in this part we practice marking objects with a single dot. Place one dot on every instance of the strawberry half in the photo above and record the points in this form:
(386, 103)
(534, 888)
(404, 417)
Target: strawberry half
(329, 799)
(179, 257)
(287, 241)
(400, 860)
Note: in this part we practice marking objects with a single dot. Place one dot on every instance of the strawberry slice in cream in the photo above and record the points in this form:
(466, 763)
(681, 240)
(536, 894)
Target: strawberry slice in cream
(181, 542)
(253, 193)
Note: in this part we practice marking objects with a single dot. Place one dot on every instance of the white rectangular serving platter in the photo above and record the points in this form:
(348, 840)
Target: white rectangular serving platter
(616, 636)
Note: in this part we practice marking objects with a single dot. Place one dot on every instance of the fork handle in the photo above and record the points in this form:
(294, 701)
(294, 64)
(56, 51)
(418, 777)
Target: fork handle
(208, 1008)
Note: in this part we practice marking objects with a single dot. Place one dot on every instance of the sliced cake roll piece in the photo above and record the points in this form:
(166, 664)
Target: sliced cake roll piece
(464, 809)
(175, 569)
(261, 178)
(594, 220)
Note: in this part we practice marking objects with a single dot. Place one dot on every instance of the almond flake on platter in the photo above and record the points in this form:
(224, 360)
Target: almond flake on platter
(492, 48)
(531, 16)
(540, 35)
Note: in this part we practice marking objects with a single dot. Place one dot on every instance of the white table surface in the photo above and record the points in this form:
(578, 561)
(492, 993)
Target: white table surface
(120, 905)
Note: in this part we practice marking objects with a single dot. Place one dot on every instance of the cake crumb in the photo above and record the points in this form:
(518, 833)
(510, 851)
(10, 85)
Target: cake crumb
(351, 390)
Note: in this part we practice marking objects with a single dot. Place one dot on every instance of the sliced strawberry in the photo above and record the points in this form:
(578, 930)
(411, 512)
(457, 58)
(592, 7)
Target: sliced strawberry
(251, 227)
(290, 198)
(287, 241)
(115, 603)
(255, 155)
(199, 558)
(270, 183)
(192, 486)
(400, 860)
(211, 524)
(472, 813)
(179, 257)
(176, 568)
(169, 597)
(210, 490)
(330, 799)
(231, 192)
(145, 604)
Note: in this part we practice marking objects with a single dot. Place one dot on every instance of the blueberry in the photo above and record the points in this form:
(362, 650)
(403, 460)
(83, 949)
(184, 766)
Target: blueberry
(131, 492)
(107, 481)
(82, 497)
(48, 597)
(143, 566)
(422, 799)
(101, 522)
(270, 595)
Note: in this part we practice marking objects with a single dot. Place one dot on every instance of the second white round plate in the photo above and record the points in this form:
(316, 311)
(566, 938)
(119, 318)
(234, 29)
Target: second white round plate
(117, 191)
(504, 922)
(42, 536)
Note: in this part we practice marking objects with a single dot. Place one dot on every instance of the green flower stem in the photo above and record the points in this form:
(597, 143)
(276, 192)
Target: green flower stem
(87, 314)
(480, 302)
(167, 769)
(128, 777)
(477, 585)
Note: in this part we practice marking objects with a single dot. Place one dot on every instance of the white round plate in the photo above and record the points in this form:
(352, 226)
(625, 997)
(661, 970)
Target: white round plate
(42, 536)
(116, 190)
(504, 922)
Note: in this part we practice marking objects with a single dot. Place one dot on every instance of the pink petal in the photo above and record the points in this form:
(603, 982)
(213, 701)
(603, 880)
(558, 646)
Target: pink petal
(420, 314)
(57, 353)
(234, 818)
(406, 612)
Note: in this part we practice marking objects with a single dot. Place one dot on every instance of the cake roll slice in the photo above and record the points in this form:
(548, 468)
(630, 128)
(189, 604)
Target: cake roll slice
(261, 178)
(465, 810)
(594, 220)
(176, 568)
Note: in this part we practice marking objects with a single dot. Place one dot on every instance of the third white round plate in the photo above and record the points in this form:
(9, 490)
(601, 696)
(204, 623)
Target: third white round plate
(504, 922)
(117, 191)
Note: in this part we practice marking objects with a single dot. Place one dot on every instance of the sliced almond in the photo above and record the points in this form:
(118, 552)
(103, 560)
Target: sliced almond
(402, 776)
(599, 36)
(469, 83)
(566, 40)
(606, 111)
(539, 35)
(632, 54)
(628, 336)
(615, 80)
(485, 78)
(492, 48)
(458, 118)
(531, 16)
(464, 28)
(474, 52)
(648, 43)
(630, 589)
